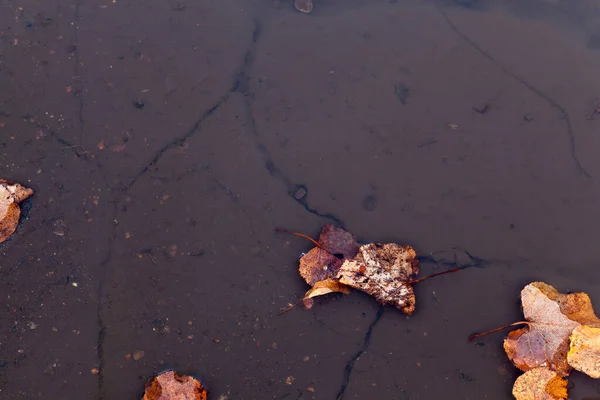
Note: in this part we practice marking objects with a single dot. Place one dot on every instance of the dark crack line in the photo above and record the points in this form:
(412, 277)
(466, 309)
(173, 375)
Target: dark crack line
(363, 349)
(177, 141)
(78, 74)
(278, 174)
(553, 103)
(103, 275)
(241, 86)
(240, 81)
(475, 262)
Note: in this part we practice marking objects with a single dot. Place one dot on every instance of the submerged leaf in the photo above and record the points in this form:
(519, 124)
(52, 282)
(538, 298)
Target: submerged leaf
(584, 353)
(337, 241)
(540, 384)
(171, 386)
(318, 265)
(11, 194)
(324, 261)
(551, 317)
(383, 270)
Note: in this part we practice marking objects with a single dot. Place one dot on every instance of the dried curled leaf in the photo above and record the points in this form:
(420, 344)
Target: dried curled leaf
(325, 287)
(551, 317)
(540, 384)
(584, 352)
(171, 386)
(11, 194)
(383, 270)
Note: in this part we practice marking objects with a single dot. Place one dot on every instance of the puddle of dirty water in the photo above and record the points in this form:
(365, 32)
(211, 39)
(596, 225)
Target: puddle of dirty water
(166, 140)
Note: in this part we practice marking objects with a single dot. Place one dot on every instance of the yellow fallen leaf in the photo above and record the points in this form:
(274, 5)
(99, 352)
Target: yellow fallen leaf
(584, 352)
(325, 287)
(540, 384)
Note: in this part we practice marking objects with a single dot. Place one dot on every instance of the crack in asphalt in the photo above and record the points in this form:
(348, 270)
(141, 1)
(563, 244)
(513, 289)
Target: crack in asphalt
(240, 82)
(241, 86)
(366, 343)
(78, 73)
(553, 103)
(475, 262)
(101, 294)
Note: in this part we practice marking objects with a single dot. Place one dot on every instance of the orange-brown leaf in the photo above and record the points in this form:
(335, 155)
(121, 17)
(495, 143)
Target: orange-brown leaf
(11, 194)
(584, 352)
(325, 287)
(171, 386)
(540, 384)
(318, 265)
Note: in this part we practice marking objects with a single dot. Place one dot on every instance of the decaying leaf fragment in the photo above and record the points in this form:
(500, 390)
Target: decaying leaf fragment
(551, 317)
(383, 270)
(171, 386)
(11, 194)
(584, 352)
(540, 384)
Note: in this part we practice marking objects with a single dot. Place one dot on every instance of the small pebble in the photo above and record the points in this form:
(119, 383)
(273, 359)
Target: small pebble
(289, 380)
(138, 103)
(138, 355)
(528, 117)
(369, 203)
(300, 193)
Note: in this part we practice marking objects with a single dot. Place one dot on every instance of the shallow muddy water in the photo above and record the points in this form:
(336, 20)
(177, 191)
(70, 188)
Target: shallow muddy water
(165, 141)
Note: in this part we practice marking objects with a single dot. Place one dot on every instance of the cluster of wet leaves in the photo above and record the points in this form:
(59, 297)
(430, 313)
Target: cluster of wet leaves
(561, 332)
(337, 263)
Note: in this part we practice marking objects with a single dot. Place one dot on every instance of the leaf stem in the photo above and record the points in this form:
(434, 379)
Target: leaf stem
(476, 335)
(432, 275)
(300, 235)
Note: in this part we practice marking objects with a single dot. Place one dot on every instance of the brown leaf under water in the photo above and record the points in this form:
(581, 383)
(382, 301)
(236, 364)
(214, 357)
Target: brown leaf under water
(324, 261)
(385, 271)
(584, 352)
(551, 317)
(11, 194)
(171, 386)
(540, 384)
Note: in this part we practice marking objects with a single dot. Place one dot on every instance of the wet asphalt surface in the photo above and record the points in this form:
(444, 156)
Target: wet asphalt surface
(165, 141)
